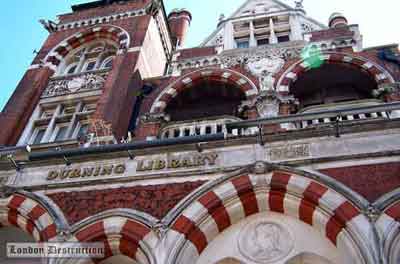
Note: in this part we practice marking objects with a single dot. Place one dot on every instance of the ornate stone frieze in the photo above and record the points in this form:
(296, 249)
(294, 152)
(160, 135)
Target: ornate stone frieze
(267, 103)
(246, 56)
(84, 82)
(265, 242)
(100, 19)
(154, 118)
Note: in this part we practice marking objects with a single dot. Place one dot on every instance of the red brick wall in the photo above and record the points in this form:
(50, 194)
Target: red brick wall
(103, 11)
(116, 103)
(135, 26)
(156, 200)
(20, 106)
(371, 181)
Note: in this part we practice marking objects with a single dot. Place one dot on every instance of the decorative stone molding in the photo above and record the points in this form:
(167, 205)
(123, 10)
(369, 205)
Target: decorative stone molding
(84, 82)
(264, 69)
(270, 52)
(154, 118)
(160, 229)
(100, 20)
(386, 89)
(267, 103)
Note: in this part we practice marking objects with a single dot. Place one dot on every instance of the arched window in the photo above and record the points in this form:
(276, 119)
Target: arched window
(107, 63)
(93, 56)
(332, 84)
(204, 100)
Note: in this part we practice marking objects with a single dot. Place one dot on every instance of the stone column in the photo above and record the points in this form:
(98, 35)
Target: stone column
(295, 28)
(229, 41)
(252, 41)
(272, 37)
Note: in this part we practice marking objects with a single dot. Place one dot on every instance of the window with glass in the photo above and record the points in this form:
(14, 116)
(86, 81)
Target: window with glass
(62, 121)
(95, 56)
(242, 43)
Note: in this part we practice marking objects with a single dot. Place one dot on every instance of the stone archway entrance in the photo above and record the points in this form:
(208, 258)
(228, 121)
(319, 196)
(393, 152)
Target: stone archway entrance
(274, 238)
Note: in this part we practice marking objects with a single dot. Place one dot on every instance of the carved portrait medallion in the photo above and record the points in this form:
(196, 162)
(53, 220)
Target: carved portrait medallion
(265, 242)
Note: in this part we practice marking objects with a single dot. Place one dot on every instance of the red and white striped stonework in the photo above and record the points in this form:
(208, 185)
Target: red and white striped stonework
(297, 196)
(28, 215)
(120, 235)
(388, 226)
(234, 78)
(112, 33)
(381, 76)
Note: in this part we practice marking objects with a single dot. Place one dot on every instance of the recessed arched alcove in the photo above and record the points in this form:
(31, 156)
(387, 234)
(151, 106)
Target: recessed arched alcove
(332, 83)
(206, 99)
(271, 238)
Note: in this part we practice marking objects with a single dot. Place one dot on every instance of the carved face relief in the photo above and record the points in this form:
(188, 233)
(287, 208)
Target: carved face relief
(265, 242)
(266, 66)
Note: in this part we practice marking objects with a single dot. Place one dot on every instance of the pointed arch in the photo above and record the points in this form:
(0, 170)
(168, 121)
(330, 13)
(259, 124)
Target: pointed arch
(30, 215)
(305, 199)
(189, 80)
(108, 32)
(378, 73)
(388, 226)
(121, 236)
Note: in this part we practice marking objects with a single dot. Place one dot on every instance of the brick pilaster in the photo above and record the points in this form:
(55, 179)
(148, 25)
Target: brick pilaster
(22, 103)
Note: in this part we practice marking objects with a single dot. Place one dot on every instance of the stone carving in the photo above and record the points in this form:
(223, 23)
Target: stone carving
(156, 200)
(231, 59)
(267, 103)
(160, 229)
(89, 81)
(265, 242)
(261, 167)
(307, 28)
(290, 152)
(264, 69)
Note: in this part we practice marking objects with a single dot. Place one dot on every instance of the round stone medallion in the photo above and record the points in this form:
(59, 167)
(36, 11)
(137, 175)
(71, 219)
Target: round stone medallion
(265, 241)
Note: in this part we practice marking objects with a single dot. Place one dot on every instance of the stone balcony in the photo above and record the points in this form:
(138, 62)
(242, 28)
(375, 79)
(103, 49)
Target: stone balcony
(344, 118)
(197, 128)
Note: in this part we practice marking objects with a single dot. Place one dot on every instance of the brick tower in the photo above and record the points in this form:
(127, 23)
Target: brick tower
(276, 140)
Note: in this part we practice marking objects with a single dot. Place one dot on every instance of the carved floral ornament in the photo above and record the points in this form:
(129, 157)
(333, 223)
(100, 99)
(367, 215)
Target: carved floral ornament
(89, 81)
(267, 103)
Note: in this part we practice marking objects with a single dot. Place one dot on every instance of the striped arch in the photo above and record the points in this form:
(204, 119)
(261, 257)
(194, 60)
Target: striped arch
(305, 199)
(214, 74)
(380, 75)
(388, 226)
(121, 236)
(116, 34)
(29, 215)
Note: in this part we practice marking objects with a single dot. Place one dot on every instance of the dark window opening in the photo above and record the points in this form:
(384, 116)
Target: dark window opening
(283, 39)
(207, 99)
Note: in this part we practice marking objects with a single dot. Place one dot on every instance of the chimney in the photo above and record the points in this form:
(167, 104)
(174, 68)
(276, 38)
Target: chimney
(337, 20)
(179, 22)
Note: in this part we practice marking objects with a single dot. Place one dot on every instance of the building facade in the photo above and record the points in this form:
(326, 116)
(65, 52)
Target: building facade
(276, 140)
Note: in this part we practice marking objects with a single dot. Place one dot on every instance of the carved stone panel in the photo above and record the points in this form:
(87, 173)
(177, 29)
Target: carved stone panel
(85, 82)
(265, 242)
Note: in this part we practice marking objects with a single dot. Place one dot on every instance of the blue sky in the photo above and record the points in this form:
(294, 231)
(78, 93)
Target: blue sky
(21, 32)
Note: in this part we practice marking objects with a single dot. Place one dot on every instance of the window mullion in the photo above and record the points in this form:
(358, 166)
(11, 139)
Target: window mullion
(50, 128)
